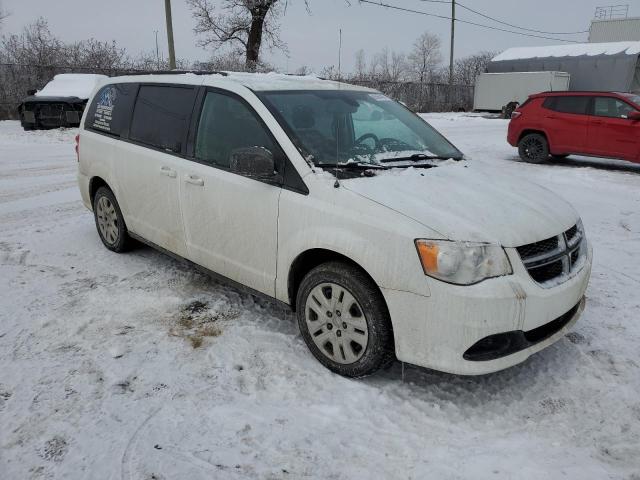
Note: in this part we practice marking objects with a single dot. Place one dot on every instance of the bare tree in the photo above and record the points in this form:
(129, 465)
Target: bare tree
(241, 23)
(387, 66)
(96, 55)
(425, 57)
(3, 14)
(329, 72)
(231, 61)
(303, 70)
(467, 69)
(361, 65)
(397, 67)
(36, 45)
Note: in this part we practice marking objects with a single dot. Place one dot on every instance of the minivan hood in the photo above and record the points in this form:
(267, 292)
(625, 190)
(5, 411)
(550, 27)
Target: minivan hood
(470, 202)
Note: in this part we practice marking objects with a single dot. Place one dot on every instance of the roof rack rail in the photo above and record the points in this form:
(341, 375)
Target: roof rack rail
(180, 72)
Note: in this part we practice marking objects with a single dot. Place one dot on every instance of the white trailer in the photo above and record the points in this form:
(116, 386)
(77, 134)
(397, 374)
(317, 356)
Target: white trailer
(499, 92)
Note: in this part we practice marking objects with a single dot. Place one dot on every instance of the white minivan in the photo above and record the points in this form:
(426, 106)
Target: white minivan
(341, 204)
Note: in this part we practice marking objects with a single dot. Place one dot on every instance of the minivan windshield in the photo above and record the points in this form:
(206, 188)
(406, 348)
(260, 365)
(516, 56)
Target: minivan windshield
(345, 127)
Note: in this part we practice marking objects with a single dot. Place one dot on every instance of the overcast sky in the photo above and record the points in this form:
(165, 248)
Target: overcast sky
(313, 38)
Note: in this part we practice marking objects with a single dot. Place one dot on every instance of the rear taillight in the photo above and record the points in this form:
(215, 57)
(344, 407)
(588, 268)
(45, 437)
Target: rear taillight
(78, 147)
(515, 114)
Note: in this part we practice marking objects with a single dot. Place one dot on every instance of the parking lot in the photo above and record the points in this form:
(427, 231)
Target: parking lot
(136, 366)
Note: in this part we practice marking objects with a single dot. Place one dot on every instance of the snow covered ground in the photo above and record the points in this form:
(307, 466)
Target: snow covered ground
(99, 377)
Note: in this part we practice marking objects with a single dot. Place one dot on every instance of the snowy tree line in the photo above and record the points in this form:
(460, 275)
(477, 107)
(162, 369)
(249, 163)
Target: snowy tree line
(417, 78)
(29, 59)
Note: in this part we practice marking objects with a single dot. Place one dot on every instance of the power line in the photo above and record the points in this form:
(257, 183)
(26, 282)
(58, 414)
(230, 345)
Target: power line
(516, 26)
(503, 22)
(394, 7)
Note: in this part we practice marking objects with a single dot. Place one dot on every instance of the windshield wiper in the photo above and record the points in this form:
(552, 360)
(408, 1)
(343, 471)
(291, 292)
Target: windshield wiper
(352, 166)
(416, 157)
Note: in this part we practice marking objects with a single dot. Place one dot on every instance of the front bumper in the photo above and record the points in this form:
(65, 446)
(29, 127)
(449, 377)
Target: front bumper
(436, 331)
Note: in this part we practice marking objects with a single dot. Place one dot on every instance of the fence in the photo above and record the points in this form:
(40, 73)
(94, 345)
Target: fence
(425, 97)
(17, 79)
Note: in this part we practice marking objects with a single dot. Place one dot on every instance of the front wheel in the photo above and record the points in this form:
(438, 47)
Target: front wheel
(344, 320)
(533, 148)
(109, 221)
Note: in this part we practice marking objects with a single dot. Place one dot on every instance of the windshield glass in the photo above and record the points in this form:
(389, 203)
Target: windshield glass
(332, 127)
(632, 97)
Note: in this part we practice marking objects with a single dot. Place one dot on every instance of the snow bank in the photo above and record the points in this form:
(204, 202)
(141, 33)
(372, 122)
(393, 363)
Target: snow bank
(71, 85)
(575, 50)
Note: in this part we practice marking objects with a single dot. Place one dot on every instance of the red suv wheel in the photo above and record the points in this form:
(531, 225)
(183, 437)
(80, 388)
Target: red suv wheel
(533, 148)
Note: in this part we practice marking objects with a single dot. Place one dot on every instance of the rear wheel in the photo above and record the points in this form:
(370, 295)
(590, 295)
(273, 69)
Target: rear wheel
(344, 320)
(109, 221)
(533, 148)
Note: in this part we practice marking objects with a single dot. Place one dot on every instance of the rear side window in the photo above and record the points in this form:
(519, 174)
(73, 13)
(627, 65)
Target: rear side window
(110, 109)
(569, 104)
(161, 116)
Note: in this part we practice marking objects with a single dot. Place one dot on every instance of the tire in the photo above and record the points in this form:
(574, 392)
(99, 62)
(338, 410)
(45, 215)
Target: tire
(366, 344)
(109, 221)
(533, 148)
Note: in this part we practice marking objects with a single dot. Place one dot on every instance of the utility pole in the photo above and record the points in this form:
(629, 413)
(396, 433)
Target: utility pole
(172, 51)
(339, 54)
(453, 34)
(157, 51)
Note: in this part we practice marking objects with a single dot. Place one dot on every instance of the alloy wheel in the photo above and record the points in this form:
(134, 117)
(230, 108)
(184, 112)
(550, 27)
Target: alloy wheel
(533, 149)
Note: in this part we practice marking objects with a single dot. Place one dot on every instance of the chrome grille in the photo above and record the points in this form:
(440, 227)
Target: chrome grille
(553, 257)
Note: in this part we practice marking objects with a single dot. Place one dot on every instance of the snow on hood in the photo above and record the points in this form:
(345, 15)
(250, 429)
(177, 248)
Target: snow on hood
(468, 202)
(575, 50)
(71, 85)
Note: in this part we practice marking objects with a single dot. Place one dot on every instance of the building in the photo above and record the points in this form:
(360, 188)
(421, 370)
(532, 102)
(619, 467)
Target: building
(615, 30)
(593, 66)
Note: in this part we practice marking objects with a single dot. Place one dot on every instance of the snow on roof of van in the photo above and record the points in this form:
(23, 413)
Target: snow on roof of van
(71, 85)
(574, 50)
(279, 81)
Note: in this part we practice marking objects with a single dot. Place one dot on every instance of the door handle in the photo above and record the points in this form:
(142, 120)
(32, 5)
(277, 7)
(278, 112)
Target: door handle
(168, 172)
(194, 180)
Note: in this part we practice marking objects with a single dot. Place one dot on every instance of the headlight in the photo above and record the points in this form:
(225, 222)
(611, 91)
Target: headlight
(462, 263)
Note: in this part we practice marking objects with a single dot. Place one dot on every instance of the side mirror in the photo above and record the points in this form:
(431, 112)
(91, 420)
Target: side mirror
(635, 115)
(254, 162)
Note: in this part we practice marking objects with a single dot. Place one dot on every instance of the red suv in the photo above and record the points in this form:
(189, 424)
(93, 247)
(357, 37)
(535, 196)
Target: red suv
(602, 124)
